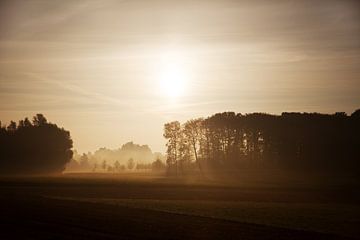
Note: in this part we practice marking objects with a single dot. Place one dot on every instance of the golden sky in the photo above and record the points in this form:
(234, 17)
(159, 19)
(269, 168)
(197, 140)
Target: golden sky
(116, 71)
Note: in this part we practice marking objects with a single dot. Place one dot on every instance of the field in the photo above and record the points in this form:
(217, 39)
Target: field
(145, 206)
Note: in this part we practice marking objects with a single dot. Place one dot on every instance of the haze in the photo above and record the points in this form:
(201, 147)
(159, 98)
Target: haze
(116, 71)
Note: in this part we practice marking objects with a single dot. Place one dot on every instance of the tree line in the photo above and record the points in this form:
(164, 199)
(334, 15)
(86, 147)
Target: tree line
(130, 156)
(36, 146)
(86, 164)
(228, 140)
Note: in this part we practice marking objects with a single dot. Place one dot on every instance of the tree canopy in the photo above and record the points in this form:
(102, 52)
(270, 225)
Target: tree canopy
(34, 147)
(231, 140)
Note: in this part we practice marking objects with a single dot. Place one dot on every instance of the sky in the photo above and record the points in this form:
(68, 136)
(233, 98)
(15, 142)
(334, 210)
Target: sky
(115, 71)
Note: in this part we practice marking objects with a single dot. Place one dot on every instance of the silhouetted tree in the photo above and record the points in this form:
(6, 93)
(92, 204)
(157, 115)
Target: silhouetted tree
(40, 147)
(117, 165)
(291, 140)
(172, 132)
(130, 164)
(158, 165)
(104, 165)
(193, 134)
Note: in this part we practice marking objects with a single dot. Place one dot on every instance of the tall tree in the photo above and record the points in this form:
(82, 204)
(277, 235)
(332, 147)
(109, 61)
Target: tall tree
(172, 132)
(193, 135)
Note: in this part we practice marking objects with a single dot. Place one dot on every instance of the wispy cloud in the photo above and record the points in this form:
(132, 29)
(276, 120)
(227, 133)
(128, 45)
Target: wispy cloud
(91, 95)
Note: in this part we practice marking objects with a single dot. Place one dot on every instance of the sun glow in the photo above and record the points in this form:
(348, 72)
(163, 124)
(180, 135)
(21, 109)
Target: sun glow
(173, 75)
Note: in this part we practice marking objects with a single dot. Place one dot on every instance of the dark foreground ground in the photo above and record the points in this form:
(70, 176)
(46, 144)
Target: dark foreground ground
(78, 207)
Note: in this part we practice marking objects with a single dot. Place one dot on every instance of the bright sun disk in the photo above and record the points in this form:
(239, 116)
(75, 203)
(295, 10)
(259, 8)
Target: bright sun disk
(173, 76)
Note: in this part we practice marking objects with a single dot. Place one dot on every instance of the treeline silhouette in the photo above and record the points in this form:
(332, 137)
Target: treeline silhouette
(130, 156)
(34, 147)
(302, 141)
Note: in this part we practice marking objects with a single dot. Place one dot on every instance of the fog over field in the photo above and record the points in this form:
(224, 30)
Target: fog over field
(163, 119)
(129, 156)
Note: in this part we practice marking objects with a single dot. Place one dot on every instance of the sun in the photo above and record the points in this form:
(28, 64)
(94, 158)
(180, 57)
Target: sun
(173, 75)
(172, 81)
